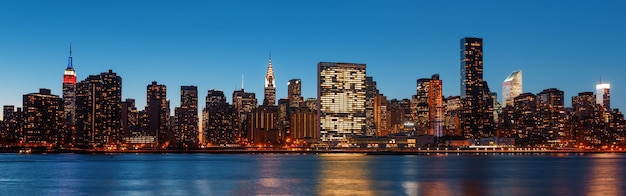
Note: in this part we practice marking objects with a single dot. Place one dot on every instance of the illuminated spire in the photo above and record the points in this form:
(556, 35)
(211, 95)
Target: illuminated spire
(69, 60)
(269, 76)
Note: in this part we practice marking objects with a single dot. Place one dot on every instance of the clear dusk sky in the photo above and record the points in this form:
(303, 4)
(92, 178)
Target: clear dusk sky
(567, 45)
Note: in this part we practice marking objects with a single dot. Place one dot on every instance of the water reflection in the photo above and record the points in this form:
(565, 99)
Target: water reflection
(344, 175)
(605, 176)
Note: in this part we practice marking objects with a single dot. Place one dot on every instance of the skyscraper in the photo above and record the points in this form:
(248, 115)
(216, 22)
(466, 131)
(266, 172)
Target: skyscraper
(294, 91)
(435, 106)
(187, 118)
(603, 95)
(243, 102)
(371, 91)
(219, 119)
(270, 86)
(43, 120)
(98, 109)
(511, 87)
(341, 95)
(421, 107)
(158, 115)
(477, 114)
(69, 99)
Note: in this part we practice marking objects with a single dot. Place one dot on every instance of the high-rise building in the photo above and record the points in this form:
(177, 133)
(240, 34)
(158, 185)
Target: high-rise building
(69, 99)
(435, 106)
(270, 86)
(186, 118)
(157, 108)
(98, 110)
(452, 109)
(603, 95)
(263, 126)
(371, 91)
(341, 95)
(219, 120)
(243, 102)
(551, 114)
(130, 119)
(303, 124)
(43, 118)
(294, 91)
(511, 87)
(477, 114)
(421, 106)
(382, 115)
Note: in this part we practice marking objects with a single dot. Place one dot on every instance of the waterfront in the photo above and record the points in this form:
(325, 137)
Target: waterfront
(311, 174)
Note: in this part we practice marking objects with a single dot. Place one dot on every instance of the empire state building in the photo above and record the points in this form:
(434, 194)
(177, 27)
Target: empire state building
(69, 96)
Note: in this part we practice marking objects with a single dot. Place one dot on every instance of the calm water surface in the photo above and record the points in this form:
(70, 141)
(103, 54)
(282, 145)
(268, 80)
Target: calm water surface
(292, 174)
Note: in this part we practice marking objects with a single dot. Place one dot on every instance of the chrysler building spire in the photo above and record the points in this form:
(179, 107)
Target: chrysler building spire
(270, 88)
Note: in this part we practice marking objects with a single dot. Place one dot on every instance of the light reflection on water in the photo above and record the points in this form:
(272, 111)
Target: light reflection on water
(291, 174)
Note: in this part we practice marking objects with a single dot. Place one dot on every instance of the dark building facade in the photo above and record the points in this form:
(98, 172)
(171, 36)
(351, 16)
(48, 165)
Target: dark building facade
(477, 113)
(157, 109)
(43, 118)
(219, 120)
(243, 102)
(294, 91)
(98, 110)
(186, 120)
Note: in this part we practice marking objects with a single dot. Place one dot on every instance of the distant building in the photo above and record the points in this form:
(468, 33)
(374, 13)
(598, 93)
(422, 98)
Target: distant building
(435, 106)
(477, 113)
(98, 110)
(243, 102)
(603, 95)
(294, 91)
(186, 120)
(157, 109)
(69, 101)
(511, 87)
(371, 91)
(219, 120)
(270, 86)
(341, 95)
(263, 126)
(382, 115)
(43, 118)
(11, 124)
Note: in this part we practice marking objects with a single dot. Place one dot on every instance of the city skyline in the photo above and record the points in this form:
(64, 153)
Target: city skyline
(392, 45)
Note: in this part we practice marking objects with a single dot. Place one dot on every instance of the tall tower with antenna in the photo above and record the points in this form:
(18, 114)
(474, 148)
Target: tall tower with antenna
(69, 98)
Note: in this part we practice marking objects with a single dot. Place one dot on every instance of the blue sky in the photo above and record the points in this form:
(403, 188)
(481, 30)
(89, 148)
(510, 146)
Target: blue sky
(567, 45)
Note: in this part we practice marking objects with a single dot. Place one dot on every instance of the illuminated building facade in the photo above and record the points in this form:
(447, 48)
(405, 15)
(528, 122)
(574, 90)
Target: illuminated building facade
(382, 115)
(43, 118)
(270, 86)
(452, 110)
(11, 124)
(294, 91)
(511, 87)
(69, 100)
(421, 99)
(370, 93)
(98, 110)
(244, 102)
(341, 96)
(551, 114)
(157, 109)
(435, 106)
(263, 126)
(477, 114)
(186, 120)
(603, 95)
(303, 124)
(219, 120)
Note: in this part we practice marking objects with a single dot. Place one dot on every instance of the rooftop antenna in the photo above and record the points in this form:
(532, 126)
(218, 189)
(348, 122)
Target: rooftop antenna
(241, 81)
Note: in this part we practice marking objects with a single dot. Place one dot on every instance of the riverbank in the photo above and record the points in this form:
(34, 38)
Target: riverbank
(368, 151)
